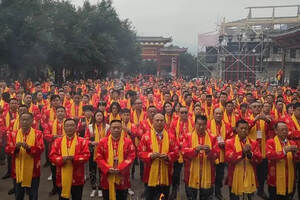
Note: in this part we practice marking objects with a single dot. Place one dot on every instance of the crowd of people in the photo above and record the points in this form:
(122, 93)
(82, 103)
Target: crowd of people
(243, 135)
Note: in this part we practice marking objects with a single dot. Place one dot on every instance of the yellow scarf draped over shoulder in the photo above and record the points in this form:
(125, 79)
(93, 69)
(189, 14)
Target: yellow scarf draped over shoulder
(73, 110)
(136, 119)
(190, 130)
(243, 174)
(99, 133)
(296, 122)
(54, 128)
(159, 174)
(213, 128)
(52, 114)
(281, 171)
(24, 161)
(209, 112)
(7, 120)
(253, 135)
(16, 125)
(67, 169)
(194, 179)
(232, 121)
(113, 178)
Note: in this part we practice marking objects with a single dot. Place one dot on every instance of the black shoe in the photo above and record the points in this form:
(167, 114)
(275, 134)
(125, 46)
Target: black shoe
(6, 176)
(263, 195)
(53, 191)
(11, 191)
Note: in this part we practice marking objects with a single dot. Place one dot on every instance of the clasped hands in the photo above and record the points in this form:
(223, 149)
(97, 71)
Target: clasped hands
(205, 148)
(156, 155)
(24, 145)
(291, 148)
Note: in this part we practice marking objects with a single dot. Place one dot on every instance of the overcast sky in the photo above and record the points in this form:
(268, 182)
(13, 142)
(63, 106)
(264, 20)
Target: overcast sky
(184, 19)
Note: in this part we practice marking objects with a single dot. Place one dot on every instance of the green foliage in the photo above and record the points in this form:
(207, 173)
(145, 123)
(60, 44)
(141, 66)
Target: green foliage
(188, 65)
(36, 33)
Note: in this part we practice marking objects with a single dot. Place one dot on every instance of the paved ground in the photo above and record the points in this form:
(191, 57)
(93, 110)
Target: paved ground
(45, 187)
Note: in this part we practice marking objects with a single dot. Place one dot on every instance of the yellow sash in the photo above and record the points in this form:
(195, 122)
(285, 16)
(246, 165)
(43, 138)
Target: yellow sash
(226, 119)
(73, 110)
(54, 128)
(159, 174)
(7, 120)
(67, 169)
(243, 174)
(209, 112)
(52, 114)
(296, 122)
(253, 135)
(98, 135)
(190, 130)
(281, 171)
(195, 166)
(24, 161)
(136, 119)
(112, 178)
(213, 128)
(16, 123)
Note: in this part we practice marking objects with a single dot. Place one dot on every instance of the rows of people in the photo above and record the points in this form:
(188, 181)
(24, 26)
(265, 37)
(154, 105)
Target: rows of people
(207, 128)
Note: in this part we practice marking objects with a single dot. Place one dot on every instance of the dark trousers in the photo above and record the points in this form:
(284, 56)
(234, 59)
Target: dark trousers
(8, 163)
(141, 169)
(219, 177)
(2, 149)
(32, 191)
(53, 173)
(154, 193)
(262, 171)
(176, 174)
(47, 151)
(76, 192)
(120, 194)
(274, 196)
(204, 194)
(93, 171)
(235, 197)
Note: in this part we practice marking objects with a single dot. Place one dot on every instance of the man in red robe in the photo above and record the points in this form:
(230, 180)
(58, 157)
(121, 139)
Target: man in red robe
(242, 155)
(25, 146)
(70, 153)
(115, 154)
(204, 153)
(158, 150)
(282, 154)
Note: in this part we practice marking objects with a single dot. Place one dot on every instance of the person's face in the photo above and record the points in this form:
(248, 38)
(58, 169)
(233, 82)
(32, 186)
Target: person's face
(114, 109)
(175, 98)
(209, 100)
(22, 110)
(77, 99)
(177, 108)
(197, 110)
(150, 97)
(55, 102)
(270, 100)
(70, 128)
(116, 129)
(138, 104)
(167, 97)
(168, 108)
(203, 97)
(282, 130)
(200, 126)
(159, 122)
(188, 99)
(88, 113)
(297, 112)
(267, 108)
(38, 88)
(223, 98)
(256, 108)
(126, 117)
(61, 113)
(61, 95)
(28, 99)
(243, 109)
(218, 114)
(26, 121)
(99, 117)
(183, 113)
(115, 95)
(102, 108)
(39, 96)
(19, 97)
(279, 106)
(151, 112)
(13, 104)
(85, 99)
(229, 107)
(290, 110)
(242, 130)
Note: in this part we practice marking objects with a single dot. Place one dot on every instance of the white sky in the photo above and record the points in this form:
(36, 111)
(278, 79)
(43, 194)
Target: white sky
(184, 19)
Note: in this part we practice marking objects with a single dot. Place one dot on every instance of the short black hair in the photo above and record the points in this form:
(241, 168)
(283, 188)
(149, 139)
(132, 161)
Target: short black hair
(70, 119)
(277, 123)
(59, 107)
(23, 105)
(53, 97)
(200, 117)
(296, 105)
(114, 104)
(125, 110)
(244, 105)
(115, 120)
(87, 108)
(12, 99)
(241, 121)
(229, 102)
(28, 113)
(289, 105)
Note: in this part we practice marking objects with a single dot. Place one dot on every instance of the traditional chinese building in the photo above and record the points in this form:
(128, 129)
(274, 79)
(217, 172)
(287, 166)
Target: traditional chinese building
(166, 58)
